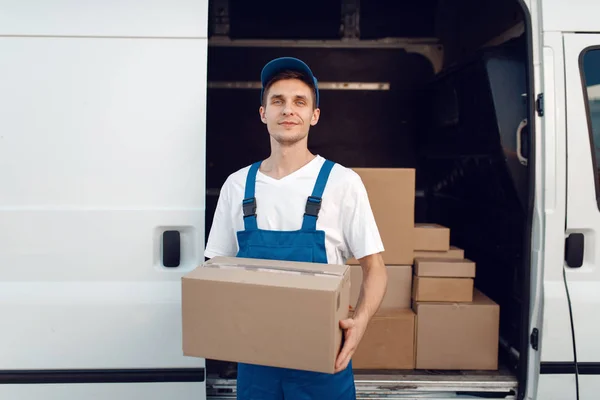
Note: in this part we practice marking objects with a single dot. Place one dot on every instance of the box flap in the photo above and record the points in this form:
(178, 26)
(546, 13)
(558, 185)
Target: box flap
(275, 273)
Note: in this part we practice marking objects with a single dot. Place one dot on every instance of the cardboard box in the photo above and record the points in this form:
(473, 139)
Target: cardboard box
(460, 336)
(392, 196)
(442, 289)
(389, 341)
(449, 268)
(453, 252)
(431, 237)
(398, 294)
(275, 313)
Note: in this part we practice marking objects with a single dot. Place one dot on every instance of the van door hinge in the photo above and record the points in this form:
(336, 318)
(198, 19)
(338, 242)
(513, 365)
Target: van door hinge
(534, 338)
(539, 104)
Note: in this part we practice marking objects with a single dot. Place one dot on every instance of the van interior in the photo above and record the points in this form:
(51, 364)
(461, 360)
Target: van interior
(442, 86)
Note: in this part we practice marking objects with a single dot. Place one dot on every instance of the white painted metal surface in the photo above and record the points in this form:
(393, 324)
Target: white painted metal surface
(583, 214)
(558, 387)
(556, 333)
(102, 148)
(570, 16)
(99, 391)
(116, 18)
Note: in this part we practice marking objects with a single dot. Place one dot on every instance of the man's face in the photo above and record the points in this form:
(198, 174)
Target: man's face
(288, 111)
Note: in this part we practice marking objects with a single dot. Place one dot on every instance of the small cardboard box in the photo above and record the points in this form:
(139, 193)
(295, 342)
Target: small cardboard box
(453, 252)
(266, 312)
(442, 289)
(389, 341)
(431, 237)
(391, 194)
(398, 293)
(444, 268)
(458, 336)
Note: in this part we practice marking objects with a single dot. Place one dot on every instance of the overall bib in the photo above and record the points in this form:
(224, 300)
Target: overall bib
(256, 382)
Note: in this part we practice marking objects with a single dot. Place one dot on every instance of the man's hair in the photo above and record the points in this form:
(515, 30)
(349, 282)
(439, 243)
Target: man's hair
(283, 75)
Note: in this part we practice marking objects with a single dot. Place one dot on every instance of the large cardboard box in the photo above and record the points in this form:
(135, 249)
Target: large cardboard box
(392, 196)
(431, 237)
(461, 336)
(275, 313)
(440, 267)
(389, 341)
(398, 293)
(453, 252)
(442, 289)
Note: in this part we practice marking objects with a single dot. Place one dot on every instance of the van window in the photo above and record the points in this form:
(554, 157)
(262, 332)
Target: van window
(590, 65)
(590, 75)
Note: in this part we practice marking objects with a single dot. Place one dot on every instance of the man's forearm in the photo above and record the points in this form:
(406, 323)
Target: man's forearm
(374, 286)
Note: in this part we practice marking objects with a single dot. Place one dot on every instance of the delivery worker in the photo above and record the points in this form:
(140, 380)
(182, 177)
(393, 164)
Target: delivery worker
(298, 206)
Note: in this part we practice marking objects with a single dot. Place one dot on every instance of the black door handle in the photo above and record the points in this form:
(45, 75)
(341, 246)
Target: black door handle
(171, 249)
(574, 247)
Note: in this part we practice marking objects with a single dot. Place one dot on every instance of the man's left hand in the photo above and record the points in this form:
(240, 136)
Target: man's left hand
(353, 329)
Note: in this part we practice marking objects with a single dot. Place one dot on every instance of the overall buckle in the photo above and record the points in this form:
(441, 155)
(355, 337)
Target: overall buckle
(313, 206)
(249, 206)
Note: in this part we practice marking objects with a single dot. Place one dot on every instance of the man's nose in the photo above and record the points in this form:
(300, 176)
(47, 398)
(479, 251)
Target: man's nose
(287, 109)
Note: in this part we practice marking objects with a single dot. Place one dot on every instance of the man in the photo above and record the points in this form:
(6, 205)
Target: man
(297, 206)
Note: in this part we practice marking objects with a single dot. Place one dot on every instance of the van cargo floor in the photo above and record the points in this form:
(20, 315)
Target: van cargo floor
(419, 384)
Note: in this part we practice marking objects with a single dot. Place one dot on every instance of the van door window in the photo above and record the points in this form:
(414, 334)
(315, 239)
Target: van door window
(590, 69)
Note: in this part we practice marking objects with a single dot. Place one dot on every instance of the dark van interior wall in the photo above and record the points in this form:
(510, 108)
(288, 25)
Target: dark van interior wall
(374, 128)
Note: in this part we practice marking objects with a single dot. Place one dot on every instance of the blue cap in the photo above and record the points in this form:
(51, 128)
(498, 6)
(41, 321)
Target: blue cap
(277, 65)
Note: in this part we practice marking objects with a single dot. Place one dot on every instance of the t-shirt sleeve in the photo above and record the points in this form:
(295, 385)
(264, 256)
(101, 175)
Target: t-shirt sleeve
(222, 240)
(360, 229)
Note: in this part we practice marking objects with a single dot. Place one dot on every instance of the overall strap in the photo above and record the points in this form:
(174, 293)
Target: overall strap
(249, 202)
(313, 203)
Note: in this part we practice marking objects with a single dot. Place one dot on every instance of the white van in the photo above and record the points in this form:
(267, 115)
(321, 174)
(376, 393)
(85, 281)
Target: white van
(119, 121)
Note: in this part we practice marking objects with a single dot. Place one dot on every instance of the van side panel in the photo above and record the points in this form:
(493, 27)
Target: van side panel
(116, 18)
(102, 150)
(570, 16)
(100, 391)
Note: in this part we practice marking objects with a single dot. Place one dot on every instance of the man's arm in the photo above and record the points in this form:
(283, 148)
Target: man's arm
(372, 290)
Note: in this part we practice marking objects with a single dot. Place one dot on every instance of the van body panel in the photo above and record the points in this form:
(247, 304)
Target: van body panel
(123, 18)
(556, 335)
(570, 16)
(582, 264)
(102, 151)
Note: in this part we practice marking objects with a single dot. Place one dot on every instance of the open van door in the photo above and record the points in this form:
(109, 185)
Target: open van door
(582, 246)
(102, 196)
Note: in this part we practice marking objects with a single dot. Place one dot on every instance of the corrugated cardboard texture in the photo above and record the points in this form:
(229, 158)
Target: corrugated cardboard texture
(462, 336)
(442, 289)
(389, 342)
(273, 313)
(392, 196)
(454, 252)
(439, 267)
(398, 294)
(432, 237)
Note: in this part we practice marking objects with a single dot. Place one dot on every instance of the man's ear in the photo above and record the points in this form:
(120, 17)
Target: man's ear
(315, 116)
(263, 117)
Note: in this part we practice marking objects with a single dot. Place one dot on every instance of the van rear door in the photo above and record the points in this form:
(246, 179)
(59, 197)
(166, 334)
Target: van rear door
(582, 253)
(102, 158)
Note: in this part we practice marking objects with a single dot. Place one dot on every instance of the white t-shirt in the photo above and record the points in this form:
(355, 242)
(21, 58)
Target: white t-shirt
(345, 215)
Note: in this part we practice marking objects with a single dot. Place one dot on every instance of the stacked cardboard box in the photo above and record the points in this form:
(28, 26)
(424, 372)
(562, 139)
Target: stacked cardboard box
(389, 342)
(457, 325)
(431, 317)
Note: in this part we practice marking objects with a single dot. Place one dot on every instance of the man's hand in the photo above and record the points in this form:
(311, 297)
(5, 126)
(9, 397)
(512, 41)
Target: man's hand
(353, 329)
(373, 289)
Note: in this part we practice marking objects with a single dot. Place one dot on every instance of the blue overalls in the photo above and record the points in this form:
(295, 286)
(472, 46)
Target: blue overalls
(256, 382)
